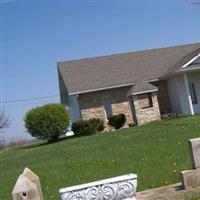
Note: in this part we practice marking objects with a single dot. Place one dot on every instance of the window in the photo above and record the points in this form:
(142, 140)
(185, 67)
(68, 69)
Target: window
(145, 101)
(107, 107)
(193, 93)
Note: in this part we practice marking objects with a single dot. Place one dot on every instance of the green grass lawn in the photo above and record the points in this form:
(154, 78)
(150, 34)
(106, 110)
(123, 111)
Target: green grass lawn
(156, 152)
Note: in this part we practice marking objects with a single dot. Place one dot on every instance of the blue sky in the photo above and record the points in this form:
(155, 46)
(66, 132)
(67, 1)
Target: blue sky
(37, 34)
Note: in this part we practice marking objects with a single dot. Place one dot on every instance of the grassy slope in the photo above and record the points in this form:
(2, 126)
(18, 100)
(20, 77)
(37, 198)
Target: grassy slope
(156, 153)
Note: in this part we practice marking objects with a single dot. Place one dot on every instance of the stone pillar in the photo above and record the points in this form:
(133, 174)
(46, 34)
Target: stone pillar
(148, 114)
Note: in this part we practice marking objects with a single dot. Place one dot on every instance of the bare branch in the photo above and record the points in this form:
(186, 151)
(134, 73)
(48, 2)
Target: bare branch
(194, 2)
(4, 121)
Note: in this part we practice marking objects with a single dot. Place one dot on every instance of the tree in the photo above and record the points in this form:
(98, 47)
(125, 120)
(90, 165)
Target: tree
(47, 122)
(4, 121)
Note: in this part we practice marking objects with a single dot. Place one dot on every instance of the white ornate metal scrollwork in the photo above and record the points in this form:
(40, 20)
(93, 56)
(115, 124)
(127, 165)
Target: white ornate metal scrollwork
(123, 187)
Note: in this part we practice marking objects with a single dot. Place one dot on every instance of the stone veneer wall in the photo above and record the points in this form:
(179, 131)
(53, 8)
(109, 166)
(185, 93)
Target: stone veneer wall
(91, 104)
(146, 115)
(163, 96)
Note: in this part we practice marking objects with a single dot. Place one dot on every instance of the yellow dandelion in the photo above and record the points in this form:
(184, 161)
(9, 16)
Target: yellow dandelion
(174, 164)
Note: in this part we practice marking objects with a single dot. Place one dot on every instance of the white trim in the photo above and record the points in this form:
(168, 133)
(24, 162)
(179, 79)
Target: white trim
(105, 181)
(188, 94)
(187, 69)
(183, 66)
(191, 61)
(103, 88)
(110, 87)
(147, 91)
(153, 80)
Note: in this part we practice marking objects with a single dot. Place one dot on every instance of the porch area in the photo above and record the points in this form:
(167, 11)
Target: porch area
(184, 92)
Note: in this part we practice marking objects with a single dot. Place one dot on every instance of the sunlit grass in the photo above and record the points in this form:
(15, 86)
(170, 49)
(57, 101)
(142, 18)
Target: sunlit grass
(156, 152)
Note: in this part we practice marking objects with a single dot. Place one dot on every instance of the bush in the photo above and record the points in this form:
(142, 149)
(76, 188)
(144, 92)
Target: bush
(98, 124)
(117, 121)
(47, 122)
(82, 128)
(87, 127)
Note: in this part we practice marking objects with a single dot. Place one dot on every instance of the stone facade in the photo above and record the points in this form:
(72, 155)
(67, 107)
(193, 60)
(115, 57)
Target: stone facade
(135, 109)
(146, 114)
(91, 104)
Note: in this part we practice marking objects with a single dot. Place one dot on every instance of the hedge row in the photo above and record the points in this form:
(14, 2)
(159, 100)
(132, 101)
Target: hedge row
(87, 127)
(92, 126)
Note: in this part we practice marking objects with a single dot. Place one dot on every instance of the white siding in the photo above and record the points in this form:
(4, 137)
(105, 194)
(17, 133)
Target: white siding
(174, 95)
(177, 93)
(184, 102)
(195, 78)
(73, 106)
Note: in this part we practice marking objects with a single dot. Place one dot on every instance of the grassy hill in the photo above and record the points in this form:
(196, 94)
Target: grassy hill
(156, 152)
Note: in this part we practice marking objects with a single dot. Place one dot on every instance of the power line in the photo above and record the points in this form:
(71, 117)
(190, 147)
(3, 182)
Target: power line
(24, 105)
(29, 99)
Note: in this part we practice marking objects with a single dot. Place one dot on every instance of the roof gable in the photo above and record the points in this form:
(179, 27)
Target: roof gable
(142, 87)
(123, 69)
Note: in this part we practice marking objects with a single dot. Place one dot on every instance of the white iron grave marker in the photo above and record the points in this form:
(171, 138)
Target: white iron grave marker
(118, 188)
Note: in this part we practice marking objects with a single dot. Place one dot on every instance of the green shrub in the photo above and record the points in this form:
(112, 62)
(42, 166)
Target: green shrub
(117, 121)
(98, 124)
(47, 122)
(87, 127)
(82, 128)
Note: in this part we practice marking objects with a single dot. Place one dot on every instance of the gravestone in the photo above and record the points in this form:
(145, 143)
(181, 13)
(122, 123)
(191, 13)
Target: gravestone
(118, 188)
(190, 178)
(27, 187)
(195, 151)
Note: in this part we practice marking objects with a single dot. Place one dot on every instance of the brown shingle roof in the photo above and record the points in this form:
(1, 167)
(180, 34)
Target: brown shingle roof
(141, 87)
(123, 69)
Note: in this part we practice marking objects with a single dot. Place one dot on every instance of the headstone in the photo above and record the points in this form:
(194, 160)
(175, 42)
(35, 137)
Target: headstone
(118, 188)
(195, 151)
(27, 187)
(33, 178)
(190, 178)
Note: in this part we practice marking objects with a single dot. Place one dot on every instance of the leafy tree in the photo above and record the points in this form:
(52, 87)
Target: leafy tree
(47, 122)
